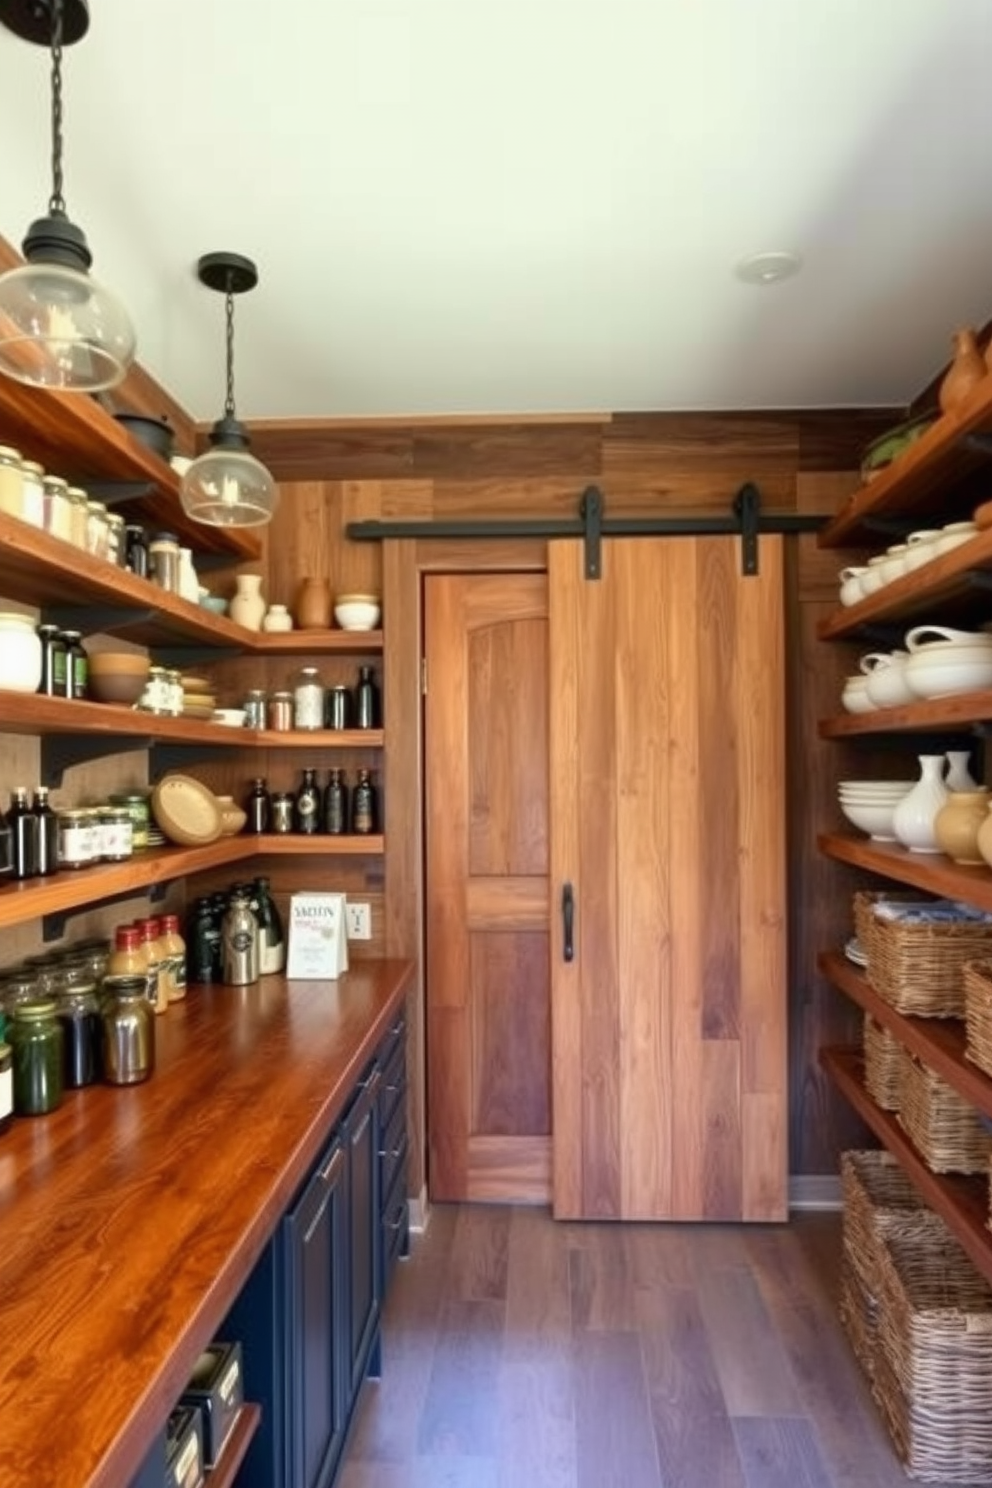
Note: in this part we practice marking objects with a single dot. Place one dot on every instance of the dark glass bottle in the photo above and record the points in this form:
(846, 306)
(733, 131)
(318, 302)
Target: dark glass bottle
(46, 834)
(82, 1035)
(52, 682)
(136, 549)
(76, 667)
(271, 936)
(199, 942)
(336, 805)
(307, 814)
(368, 714)
(363, 806)
(218, 909)
(23, 826)
(258, 806)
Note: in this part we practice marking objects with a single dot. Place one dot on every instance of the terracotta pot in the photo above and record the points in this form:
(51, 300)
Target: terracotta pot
(964, 374)
(313, 605)
(957, 824)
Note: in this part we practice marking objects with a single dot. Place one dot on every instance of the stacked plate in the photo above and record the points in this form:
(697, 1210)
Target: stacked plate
(870, 805)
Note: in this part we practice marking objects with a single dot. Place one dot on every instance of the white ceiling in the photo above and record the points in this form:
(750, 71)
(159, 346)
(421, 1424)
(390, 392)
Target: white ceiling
(526, 205)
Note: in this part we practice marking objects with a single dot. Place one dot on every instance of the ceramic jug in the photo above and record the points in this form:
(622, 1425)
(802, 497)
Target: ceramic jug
(277, 618)
(957, 825)
(313, 605)
(247, 607)
(914, 816)
(964, 374)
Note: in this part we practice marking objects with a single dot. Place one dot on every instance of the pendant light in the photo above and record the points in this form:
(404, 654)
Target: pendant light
(228, 487)
(58, 327)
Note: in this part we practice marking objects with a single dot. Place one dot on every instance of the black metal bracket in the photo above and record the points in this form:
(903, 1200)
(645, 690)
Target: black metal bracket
(890, 526)
(978, 578)
(166, 754)
(92, 618)
(747, 506)
(53, 924)
(185, 657)
(60, 752)
(977, 443)
(115, 493)
(591, 512)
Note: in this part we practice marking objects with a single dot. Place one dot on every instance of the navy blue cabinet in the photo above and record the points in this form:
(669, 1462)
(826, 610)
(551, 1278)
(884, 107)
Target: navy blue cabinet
(394, 1228)
(360, 1134)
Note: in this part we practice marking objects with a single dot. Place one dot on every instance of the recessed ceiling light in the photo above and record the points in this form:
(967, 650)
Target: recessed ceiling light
(768, 268)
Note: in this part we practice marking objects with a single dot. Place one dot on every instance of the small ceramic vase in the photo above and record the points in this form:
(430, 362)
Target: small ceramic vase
(914, 816)
(957, 824)
(958, 777)
(313, 605)
(247, 607)
(277, 618)
(964, 374)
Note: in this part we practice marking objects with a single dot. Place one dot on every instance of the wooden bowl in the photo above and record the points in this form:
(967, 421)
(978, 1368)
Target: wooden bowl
(186, 811)
(117, 676)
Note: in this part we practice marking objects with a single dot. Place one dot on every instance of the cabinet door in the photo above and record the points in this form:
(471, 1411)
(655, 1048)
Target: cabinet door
(316, 1239)
(361, 1134)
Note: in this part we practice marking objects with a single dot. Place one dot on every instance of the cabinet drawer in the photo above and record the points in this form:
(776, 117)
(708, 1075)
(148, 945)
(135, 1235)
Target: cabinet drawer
(392, 1151)
(394, 1039)
(392, 1091)
(395, 1228)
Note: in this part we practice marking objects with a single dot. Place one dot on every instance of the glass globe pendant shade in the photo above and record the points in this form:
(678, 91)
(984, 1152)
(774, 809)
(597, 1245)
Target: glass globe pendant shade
(61, 329)
(227, 486)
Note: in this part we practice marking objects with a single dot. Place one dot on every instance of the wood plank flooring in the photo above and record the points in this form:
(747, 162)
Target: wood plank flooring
(520, 1353)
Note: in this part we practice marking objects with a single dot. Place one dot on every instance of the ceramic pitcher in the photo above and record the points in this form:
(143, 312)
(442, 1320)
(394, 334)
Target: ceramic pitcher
(248, 606)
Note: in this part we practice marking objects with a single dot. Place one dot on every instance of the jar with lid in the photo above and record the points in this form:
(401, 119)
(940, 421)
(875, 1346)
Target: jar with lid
(53, 681)
(254, 706)
(115, 538)
(339, 707)
(174, 692)
(155, 698)
(308, 700)
(76, 664)
(20, 986)
(36, 1042)
(163, 560)
(96, 528)
(6, 1086)
(11, 482)
(79, 1014)
(128, 1043)
(78, 517)
(149, 930)
(136, 549)
(175, 949)
(32, 493)
(136, 804)
(20, 652)
(94, 951)
(127, 958)
(279, 713)
(55, 506)
(117, 836)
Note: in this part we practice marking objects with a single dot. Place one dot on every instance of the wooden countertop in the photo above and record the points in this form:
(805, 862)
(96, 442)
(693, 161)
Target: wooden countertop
(130, 1218)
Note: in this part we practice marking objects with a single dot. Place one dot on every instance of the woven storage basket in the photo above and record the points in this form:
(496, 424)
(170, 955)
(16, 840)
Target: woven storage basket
(933, 1370)
(884, 1055)
(879, 1200)
(858, 1312)
(943, 1127)
(863, 903)
(978, 1013)
(918, 968)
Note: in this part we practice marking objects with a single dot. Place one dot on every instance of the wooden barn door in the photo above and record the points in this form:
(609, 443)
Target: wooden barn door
(667, 820)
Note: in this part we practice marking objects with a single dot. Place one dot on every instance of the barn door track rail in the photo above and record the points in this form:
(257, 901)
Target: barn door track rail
(744, 519)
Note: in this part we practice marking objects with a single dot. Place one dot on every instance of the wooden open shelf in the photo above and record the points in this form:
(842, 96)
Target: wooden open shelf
(939, 1042)
(929, 871)
(950, 586)
(294, 844)
(317, 642)
(73, 436)
(33, 713)
(933, 714)
(224, 1473)
(962, 1202)
(916, 483)
(316, 738)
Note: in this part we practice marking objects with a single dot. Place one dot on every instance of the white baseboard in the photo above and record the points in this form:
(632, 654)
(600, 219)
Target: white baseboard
(418, 1211)
(815, 1191)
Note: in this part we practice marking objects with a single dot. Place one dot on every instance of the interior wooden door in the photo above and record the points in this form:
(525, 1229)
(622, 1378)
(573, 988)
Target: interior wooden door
(486, 831)
(667, 819)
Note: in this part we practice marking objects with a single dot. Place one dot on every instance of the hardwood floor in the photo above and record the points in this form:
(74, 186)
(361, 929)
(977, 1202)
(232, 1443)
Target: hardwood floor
(520, 1353)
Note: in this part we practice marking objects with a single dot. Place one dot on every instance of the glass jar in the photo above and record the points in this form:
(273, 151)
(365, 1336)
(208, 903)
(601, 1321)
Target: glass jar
(163, 559)
(174, 692)
(155, 698)
(279, 713)
(37, 1043)
(115, 538)
(96, 529)
(117, 834)
(308, 700)
(6, 1086)
(75, 840)
(11, 482)
(136, 804)
(79, 1015)
(55, 506)
(32, 494)
(52, 661)
(283, 804)
(76, 664)
(78, 517)
(254, 706)
(128, 1042)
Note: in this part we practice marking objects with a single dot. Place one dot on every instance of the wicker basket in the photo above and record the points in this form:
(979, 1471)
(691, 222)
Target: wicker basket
(918, 968)
(858, 1312)
(978, 1013)
(933, 1371)
(879, 1200)
(884, 1055)
(943, 1127)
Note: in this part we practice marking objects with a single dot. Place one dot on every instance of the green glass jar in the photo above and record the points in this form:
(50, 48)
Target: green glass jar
(36, 1040)
(137, 804)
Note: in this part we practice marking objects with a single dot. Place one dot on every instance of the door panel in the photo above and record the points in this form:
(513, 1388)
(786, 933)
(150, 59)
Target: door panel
(667, 770)
(488, 995)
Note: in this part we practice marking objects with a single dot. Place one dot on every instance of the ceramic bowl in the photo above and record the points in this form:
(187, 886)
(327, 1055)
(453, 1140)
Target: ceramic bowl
(230, 717)
(186, 811)
(357, 611)
(117, 676)
(875, 820)
(966, 670)
(215, 603)
(232, 816)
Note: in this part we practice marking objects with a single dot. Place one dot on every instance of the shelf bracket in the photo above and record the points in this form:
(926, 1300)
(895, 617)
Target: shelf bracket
(53, 924)
(747, 506)
(60, 752)
(93, 618)
(185, 657)
(165, 755)
(979, 579)
(115, 493)
(978, 443)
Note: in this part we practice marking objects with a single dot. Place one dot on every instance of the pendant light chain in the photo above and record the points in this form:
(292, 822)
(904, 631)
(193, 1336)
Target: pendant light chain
(229, 400)
(56, 204)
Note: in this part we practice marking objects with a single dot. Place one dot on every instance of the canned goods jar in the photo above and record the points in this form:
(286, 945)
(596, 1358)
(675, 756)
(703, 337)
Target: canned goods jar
(55, 497)
(254, 706)
(136, 804)
(36, 1042)
(155, 698)
(76, 845)
(308, 700)
(79, 1015)
(280, 712)
(78, 516)
(117, 834)
(32, 493)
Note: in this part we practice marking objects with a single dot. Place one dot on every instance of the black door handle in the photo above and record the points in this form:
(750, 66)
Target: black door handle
(568, 920)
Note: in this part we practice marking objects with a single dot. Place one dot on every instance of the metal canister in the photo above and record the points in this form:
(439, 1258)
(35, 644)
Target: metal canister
(339, 708)
(254, 706)
(239, 944)
(280, 712)
(281, 812)
(128, 1044)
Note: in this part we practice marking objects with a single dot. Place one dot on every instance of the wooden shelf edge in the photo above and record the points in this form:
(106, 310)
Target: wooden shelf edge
(235, 1449)
(939, 1042)
(931, 872)
(942, 579)
(961, 1202)
(318, 846)
(958, 711)
(323, 642)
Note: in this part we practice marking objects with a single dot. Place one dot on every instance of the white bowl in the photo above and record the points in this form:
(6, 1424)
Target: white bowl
(875, 820)
(229, 717)
(357, 611)
(874, 792)
(963, 669)
(855, 697)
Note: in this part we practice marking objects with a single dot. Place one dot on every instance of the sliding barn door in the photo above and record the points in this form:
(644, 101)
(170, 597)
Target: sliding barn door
(667, 822)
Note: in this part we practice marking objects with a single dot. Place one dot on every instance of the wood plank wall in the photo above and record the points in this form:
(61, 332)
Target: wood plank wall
(333, 472)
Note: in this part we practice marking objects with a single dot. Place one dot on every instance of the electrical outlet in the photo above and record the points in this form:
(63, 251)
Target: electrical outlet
(359, 921)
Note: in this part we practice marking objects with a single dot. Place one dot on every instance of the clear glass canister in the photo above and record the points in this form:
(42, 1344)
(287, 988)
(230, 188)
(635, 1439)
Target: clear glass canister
(128, 1044)
(32, 493)
(115, 539)
(96, 529)
(174, 692)
(75, 840)
(163, 559)
(55, 495)
(36, 1042)
(117, 834)
(155, 698)
(136, 804)
(11, 482)
(254, 706)
(78, 516)
(279, 714)
(308, 700)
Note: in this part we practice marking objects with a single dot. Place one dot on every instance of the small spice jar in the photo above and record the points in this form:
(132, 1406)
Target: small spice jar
(76, 846)
(128, 1043)
(308, 700)
(78, 516)
(11, 482)
(6, 1086)
(254, 706)
(37, 1044)
(32, 493)
(55, 499)
(136, 804)
(279, 713)
(79, 1015)
(163, 560)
